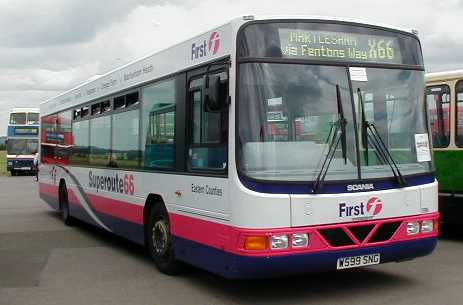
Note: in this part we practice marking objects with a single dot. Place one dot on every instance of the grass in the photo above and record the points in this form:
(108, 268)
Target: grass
(3, 171)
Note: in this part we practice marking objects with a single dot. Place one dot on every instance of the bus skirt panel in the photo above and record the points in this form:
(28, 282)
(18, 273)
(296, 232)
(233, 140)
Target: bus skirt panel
(235, 266)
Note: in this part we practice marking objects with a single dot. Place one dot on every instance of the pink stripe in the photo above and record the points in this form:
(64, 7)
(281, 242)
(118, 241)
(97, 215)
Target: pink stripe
(53, 190)
(231, 239)
(117, 208)
(213, 234)
(48, 190)
(73, 198)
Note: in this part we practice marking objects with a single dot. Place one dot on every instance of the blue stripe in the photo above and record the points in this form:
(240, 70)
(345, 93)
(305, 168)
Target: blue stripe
(53, 202)
(132, 231)
(331, 188)
(129, 230)
(235, 266)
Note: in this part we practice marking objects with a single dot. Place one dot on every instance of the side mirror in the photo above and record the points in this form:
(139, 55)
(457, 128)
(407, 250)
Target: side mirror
(211, 94)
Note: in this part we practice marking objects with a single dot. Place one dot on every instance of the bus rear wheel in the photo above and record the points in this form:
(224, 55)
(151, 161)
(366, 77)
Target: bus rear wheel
(64, 205)
(160, 243)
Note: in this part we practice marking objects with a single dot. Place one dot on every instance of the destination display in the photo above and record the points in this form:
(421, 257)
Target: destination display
(22, 131)
(325, 45)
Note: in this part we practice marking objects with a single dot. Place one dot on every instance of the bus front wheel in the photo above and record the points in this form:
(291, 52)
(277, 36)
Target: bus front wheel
(160, 243)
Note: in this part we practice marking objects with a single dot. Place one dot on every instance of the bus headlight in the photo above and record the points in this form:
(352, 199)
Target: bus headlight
(427, 226)
(279, 242)
(299, 240)
(413, 228)
(10, 163)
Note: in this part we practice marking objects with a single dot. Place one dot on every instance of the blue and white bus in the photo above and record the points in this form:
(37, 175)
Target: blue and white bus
(22, 140)
(260, 148)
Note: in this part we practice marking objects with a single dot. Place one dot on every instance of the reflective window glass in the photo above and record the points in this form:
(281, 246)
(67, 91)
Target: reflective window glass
(125, 133)
(32, 118)
(208, 150)
(64, 137)
(100, 141)
(18, 118)
(47, 138)
(80, 148)
(158, 121)
(438, 102)
(459, 114)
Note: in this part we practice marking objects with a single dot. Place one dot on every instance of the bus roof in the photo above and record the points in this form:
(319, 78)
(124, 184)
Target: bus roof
(157, 65)
(24, 109)
(444, 75)
(331, 18)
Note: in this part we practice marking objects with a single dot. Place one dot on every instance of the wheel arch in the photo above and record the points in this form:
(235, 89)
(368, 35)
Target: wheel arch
(61, 187)
(151, 201)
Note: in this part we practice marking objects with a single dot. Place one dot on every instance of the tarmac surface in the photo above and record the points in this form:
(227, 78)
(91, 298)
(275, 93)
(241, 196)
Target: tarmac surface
(44, 262)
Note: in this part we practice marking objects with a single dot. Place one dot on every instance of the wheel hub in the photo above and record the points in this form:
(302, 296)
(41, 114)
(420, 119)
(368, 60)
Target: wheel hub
(160, 237)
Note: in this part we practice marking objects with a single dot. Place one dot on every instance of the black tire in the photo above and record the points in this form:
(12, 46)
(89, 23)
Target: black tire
(13, 173)
(160, 242)
(64, 206)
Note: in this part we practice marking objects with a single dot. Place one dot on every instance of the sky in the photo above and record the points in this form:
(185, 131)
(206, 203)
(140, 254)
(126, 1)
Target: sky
(49, 46)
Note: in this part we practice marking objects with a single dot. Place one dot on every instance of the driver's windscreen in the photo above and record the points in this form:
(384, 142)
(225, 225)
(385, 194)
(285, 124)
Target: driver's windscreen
(287, 118)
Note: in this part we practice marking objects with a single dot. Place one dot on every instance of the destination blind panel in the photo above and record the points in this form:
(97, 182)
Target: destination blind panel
(325, 45)
(328, 42)
(14, 131)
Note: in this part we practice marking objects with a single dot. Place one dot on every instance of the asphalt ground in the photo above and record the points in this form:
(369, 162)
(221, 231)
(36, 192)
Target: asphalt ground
(44, 262)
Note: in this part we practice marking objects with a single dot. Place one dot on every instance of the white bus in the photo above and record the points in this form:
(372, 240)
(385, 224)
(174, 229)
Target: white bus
(22, 140)
(260, 148)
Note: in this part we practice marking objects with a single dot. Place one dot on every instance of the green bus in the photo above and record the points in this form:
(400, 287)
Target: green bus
(444, 96)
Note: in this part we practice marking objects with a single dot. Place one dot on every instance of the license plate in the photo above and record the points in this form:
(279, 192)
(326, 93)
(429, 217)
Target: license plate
(358, 261)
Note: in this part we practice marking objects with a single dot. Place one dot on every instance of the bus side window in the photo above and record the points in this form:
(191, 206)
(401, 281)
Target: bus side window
(209, 132)
(159, 108)
(160, 142)
(459, 114)
(438, 102)
(47, 139)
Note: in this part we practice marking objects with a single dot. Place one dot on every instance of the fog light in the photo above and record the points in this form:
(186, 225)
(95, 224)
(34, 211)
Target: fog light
(300, 240)
(279, 242)
(427, 226)
(255, 243)
(413, 228)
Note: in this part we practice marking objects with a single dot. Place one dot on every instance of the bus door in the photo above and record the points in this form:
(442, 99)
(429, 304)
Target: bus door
(207, 143)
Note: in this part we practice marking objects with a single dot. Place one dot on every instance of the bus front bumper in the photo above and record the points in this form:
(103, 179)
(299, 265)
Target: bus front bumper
(234, 266)
(20, 165)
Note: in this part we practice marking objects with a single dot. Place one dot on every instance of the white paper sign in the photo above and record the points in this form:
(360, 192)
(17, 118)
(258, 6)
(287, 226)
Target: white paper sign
(358, 74)
(423, 153)
(275, 101)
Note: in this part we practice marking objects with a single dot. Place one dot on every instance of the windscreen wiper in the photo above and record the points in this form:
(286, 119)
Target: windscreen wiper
(364, 131)
(336, 136)
(375, 139)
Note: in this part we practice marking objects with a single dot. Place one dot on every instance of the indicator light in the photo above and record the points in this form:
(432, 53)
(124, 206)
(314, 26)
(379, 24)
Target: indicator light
(255, 243)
